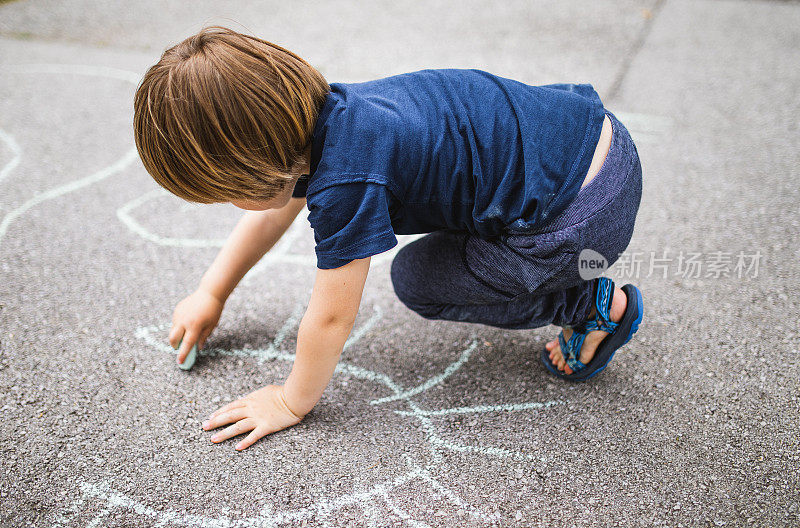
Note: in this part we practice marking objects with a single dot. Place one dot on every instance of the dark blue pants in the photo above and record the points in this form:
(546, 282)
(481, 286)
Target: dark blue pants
(531, 280)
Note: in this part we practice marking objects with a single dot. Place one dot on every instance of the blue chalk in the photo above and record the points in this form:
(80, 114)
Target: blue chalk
(190, 357)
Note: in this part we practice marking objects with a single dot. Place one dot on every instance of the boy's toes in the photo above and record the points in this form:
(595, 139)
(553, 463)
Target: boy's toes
(556, 358)
(560, 362)
(555, 352)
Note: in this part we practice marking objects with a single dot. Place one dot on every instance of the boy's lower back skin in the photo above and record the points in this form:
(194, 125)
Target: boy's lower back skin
(228, 118)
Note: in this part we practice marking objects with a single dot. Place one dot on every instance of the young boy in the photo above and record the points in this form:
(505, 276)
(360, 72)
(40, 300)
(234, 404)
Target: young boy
(511, 181)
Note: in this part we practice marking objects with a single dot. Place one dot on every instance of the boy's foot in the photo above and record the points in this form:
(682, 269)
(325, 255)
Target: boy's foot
(618, 305)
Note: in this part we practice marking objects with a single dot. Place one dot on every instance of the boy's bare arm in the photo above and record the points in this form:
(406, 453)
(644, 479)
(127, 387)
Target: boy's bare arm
(253, 236)
(323, 332)
(320, 339)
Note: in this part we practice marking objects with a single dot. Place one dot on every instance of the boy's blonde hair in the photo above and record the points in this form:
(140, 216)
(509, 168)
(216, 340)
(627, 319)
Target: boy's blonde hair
(225, 116)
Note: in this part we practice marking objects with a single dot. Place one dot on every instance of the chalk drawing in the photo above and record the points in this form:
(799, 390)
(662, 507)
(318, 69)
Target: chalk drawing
(645, 128)
(323, 510)
(103, 493)
(61, 190)
(279, 254)
(118, 166)
(123, 213)
(75, 69)
(16, 152)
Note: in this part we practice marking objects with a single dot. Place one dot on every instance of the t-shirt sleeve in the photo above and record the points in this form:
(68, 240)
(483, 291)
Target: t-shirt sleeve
(350, 221)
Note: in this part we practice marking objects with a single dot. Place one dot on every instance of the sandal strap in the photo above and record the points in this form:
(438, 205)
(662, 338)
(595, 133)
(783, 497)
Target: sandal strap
(570, 349)
(603, 299)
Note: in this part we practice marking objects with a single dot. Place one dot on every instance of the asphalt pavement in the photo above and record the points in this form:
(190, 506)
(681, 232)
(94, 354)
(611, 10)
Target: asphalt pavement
(425, 423)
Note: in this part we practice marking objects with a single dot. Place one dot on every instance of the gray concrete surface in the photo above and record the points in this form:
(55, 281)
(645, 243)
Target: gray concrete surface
(425, 423)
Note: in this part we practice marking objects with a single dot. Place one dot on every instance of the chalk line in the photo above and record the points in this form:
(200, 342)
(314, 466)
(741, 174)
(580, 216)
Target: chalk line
(485, 408)
(401, 513)
(433, 441)
(465, 355)
(16, 151)
(279, 254)
(121, 164)
(123, 213)
(75, 69)
(458, 501)
(267, 517)
(55, 192)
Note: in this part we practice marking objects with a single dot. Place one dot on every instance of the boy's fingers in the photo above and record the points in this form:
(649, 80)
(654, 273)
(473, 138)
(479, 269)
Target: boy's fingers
(202, 341)
(242, 426)
(175, 336)
(189, 339)
(233, 415)
(250, 439)
(232, 405)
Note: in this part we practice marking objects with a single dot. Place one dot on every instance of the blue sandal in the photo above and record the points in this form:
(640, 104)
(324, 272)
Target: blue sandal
(619, 333)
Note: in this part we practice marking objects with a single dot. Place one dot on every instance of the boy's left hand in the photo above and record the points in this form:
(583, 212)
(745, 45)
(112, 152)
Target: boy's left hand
(263, 412)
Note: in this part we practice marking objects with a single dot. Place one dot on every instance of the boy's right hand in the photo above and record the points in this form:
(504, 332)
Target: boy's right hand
(194, 318)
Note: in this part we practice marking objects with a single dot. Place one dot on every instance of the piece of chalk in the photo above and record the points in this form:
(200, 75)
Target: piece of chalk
(190, 357)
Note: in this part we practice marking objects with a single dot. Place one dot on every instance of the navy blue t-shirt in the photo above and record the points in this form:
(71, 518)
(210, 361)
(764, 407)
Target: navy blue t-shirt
(451, 149)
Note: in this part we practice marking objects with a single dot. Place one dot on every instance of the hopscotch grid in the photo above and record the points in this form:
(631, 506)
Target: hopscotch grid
(365, 499)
